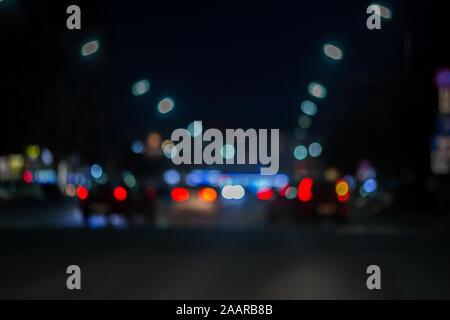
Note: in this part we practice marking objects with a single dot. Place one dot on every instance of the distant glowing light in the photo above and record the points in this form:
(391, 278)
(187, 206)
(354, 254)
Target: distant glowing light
(233, 192)
(90, 48)
(291, 193)
(172, 177)
(47, 157)
(103, 179)
(300, 153)
(120, 194)
(82, 193)
(45, 177)
(344, 198)
(16, 162)
(169, 149)
(351, 182)
(28, 176)
(363, 193)
(265, 194)
(283, 190)
(140, 88)
(129, 179)
(331, 174)
(70, 190)
(208, 195)
(154, 140)
(366, 173)
(224, 180)
(256, 184)
(315, 150)
(195, 129)
(213, 177)
(96, 171)
(78, 179)
(166, 105)
(137, 147)
(97, 222)
(444, 100)
(305, 122)
(342, 188)
(385, 12)
(281, 180)
(309, 108)
(333, 52)
(304, 190)
(33, 151)
(317, 90)
(166, 143)
(194, 178)
(370, 186)
(228, 151)
(118, 221)
(180, 194)
(442, 78)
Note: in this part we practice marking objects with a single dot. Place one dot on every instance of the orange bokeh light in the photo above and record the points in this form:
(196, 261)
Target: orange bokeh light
(208, 195)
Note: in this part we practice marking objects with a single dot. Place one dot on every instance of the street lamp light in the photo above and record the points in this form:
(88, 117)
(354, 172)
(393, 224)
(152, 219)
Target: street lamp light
(90, 48)
(140, 88)
(333, 52)
(317, 90)
(166, 105)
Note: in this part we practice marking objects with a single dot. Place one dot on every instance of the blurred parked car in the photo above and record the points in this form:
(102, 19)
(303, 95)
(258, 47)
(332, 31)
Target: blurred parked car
(195, 206)
(19, 192)
(324, 203)
(128, 203)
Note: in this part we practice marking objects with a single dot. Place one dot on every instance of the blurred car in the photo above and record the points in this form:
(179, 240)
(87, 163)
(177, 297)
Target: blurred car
(127, 203)
(324, 203)
(21, 192)
(195, 207)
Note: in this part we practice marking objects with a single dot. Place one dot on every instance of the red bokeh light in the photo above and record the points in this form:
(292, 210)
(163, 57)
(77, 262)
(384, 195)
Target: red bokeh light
(82, 193)
(344, 198)
(180, 194)
(304, 190)
(28, 176)
(264, 194)
(150, 192)
(283, 191)
(120, 193)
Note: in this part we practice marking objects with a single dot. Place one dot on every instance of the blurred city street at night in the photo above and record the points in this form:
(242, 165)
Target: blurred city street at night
(224, 150)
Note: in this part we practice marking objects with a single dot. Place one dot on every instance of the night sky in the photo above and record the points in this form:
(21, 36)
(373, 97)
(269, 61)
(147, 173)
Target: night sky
(230, 64)
(248, 65)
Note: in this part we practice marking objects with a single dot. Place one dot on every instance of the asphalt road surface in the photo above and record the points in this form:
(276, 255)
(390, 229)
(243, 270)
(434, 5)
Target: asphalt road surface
(145, 263)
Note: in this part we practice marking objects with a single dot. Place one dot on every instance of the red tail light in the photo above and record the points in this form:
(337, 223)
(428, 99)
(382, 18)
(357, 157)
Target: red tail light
(82, 193)
(120, 194)
(265, 194)
(180, 194)
(304, 190)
